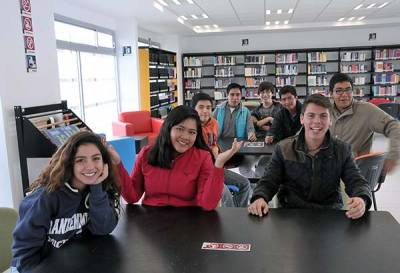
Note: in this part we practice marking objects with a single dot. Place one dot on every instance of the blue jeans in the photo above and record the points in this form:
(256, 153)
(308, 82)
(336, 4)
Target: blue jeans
(240, 198)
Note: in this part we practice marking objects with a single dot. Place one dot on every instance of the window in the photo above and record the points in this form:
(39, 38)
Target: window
(87, 72)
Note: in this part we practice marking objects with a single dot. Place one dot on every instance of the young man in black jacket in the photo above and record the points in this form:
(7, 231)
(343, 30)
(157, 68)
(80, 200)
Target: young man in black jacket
(305, 170)
(287, 120)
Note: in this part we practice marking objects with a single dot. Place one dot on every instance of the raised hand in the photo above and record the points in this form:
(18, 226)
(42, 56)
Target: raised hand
(222, 158)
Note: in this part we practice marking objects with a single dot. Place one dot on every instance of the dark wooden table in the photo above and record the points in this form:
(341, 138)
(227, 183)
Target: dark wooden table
(226, 143)
(169, 240)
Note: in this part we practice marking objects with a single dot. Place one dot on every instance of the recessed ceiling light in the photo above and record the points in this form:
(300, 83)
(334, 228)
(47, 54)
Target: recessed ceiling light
(158, 6)
(206, 26)
(371, 6)
(268, 23)
(276, 22)
(361, 18)
(177, 2)
(341, 19)
(184, 17)
(162, 2)
(290, 11)
(267, 11)
(351, 19)
(382, 5)
(286, 22)
(204, 15)
(358, 7)
(194, 16)
(181, 21)
(215, 26)
(190, 1)
(279, 11)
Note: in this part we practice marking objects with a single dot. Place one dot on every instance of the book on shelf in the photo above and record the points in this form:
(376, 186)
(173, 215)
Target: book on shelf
(59, 135)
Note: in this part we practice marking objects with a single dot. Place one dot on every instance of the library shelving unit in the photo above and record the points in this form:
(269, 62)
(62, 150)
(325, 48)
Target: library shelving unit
(41, 130)
(374, 70)
(321, 65)
(386, 67)
(158, 82)
(357, 64)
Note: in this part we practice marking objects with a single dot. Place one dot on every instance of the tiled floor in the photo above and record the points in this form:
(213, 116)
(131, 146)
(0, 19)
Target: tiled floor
(388, 197)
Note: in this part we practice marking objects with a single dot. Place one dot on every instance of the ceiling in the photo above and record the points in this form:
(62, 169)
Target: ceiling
(233, 16)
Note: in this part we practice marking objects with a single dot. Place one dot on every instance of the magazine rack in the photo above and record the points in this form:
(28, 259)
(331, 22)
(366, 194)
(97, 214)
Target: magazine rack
(41, 130)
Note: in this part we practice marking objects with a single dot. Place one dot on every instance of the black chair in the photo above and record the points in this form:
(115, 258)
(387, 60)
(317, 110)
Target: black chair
(371, 167)
(392, 108)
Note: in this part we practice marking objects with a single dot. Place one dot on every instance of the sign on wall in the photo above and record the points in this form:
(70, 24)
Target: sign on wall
(28, 35)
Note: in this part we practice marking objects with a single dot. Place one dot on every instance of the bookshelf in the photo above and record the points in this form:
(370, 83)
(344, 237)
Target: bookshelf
(158, 81)
(386, 72)
(375, 71)
(41, 130)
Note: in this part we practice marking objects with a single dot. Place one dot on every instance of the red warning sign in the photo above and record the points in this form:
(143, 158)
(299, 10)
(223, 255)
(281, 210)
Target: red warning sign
(26, 6)
(27, 24)
(29, 43)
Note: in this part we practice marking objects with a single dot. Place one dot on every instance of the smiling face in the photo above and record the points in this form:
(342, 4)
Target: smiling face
(316, 121)
(183, 135)
(289, 102)
(203, 108)
(234, 97)
(88, 166)
(266, 97)
(342, 94)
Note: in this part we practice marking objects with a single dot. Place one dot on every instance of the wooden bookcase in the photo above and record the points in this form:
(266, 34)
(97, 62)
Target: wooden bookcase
(374, 70)
(41, 130)
(158, 81)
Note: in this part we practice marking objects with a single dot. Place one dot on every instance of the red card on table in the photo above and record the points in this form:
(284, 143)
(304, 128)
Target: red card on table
(226, 246)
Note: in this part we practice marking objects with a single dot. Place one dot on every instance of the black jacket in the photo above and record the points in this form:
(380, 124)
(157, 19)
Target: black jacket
(284, 126)
(305, 181)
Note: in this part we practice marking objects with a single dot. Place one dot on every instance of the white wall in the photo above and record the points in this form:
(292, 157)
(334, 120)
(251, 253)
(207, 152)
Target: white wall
(126, 35)
(21, 88)
(128, 65)
(339, 37)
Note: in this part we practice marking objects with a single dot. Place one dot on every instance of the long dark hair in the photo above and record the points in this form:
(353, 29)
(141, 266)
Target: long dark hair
(61, 166)
(162, 153)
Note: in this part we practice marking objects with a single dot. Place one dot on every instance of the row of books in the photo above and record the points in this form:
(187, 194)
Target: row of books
(360, 80)
(282, 81)
(192, 61)
(254, 82)
(318, 80)
(316, 68)
(317, 57)
(224, 60)
(386, 78)
(254, 59)
(224, 72)
(287, 69)
(383, 66)
(353, 56)
(222, 83)
(193, 84)
(354, 68)
(385, 90)
(387, 54)
(255, 71)
(286, 58)
(192, 73)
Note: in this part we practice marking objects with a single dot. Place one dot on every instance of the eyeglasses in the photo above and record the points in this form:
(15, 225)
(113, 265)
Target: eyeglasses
(340, 91)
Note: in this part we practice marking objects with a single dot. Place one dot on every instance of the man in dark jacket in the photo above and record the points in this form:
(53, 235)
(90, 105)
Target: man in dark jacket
(305, 170)
(287, 120)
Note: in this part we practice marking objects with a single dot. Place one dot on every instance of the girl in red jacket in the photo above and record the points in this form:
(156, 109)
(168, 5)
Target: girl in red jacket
(178, 170)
